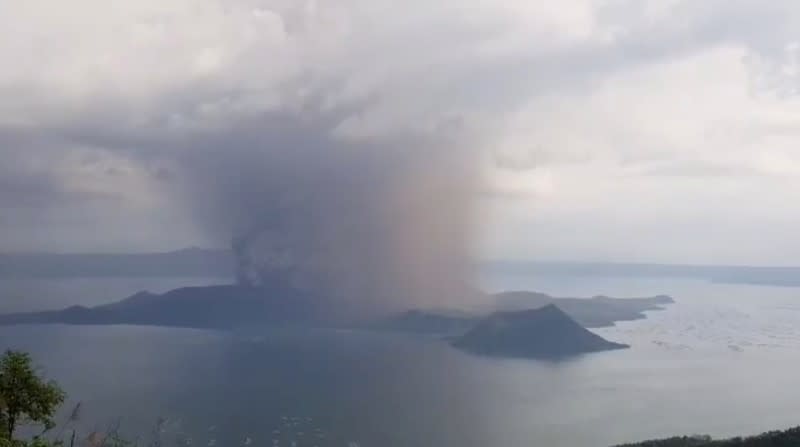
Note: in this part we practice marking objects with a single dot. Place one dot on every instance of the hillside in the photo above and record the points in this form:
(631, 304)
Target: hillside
(598, 311)
(785, 438)
(540, 333)
(213, 307)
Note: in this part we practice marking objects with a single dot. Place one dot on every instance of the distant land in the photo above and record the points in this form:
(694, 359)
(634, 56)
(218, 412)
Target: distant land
(784, 438)
(774, 276)
(219, 263)
(595, 312)
(210, 307)
(535, 328)
(519, 323)
(544, 333)
(231, 306)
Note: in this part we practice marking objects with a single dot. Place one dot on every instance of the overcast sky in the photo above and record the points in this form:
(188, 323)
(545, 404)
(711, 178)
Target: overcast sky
(625, 130)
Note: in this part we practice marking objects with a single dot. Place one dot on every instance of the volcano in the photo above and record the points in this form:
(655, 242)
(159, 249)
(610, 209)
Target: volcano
(546, 333)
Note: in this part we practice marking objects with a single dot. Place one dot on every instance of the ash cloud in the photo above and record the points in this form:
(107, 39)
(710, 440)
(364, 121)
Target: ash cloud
(369, 224)
(207, 97)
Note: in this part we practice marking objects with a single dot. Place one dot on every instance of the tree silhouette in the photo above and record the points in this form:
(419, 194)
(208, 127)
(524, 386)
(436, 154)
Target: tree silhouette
(25, 397)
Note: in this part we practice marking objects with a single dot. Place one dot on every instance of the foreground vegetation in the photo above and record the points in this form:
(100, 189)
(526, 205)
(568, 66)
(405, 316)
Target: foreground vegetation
(26, 400)
(786, 438)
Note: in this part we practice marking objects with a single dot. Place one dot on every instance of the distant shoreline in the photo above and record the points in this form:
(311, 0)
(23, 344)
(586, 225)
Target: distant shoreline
(198, 262)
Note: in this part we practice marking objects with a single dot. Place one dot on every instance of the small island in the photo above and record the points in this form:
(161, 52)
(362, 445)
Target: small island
(595, 312)
(523, 324)
(544, 333)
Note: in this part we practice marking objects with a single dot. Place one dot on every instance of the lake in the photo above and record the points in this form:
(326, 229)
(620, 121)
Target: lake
(723, 360)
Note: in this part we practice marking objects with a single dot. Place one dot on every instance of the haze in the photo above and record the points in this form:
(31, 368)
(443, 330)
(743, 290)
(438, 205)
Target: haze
(623, 130)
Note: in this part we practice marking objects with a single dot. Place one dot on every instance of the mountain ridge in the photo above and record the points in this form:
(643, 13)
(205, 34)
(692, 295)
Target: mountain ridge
(228, 306)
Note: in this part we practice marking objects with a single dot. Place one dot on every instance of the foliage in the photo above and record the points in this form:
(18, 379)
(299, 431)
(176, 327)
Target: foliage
(786, 438)
(25, 397)
(35, 442)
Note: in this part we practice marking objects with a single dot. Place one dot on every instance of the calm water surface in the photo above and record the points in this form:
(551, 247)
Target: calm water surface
(723, 360)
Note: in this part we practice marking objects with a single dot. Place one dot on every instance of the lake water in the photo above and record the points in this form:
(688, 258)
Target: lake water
(723, 360)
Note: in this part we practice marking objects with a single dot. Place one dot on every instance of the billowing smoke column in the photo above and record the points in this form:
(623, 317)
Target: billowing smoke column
(367, 224)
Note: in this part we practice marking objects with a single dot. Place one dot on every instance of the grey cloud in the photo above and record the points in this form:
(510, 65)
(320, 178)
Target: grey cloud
(41, 191)
(373, 222)
(281, 140)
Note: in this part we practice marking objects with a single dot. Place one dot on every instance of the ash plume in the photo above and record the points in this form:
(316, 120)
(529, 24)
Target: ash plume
(366, 224)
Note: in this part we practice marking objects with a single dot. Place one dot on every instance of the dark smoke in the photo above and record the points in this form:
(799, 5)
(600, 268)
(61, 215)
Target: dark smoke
(368, 223)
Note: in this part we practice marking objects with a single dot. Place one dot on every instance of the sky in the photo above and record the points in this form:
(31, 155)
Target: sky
(604, 130)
